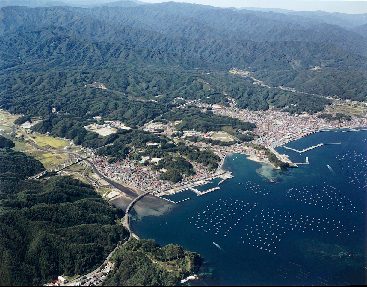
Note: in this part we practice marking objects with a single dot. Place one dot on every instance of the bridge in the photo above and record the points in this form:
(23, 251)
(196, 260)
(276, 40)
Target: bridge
(126, 222)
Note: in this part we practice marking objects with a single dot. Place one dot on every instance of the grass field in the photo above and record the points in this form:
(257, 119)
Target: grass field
(6, 121)
(49, 160)
(221, 136)
(47, 141)
(352, 109)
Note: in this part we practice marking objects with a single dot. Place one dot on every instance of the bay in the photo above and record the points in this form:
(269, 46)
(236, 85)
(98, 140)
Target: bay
(308, 228)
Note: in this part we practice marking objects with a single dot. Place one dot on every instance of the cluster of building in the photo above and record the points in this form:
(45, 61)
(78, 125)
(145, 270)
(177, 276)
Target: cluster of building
(275, 128)
(167, 129)
(95, 278)
(143, 178)
(96, 85)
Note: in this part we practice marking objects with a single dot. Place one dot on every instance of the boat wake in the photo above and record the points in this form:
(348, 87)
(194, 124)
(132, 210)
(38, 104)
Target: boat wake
(330, 168)
(217, 245)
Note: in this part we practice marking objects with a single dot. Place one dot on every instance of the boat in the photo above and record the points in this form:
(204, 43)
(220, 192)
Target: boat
(217, 245)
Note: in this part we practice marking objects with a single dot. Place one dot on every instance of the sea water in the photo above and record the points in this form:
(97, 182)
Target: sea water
(307, 228)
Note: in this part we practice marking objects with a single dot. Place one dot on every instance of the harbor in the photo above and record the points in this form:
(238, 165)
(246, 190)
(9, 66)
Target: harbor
(276, 231)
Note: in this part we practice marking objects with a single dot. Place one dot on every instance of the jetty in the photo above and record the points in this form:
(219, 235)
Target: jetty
(333, 143)
(305, 149)
(168, 200)
(200, 193)
(303, 163)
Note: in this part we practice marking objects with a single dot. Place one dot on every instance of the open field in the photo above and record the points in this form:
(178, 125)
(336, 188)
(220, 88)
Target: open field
(85, 174)
(49, 159)
(6, 121)
(48, 141)
(79, 172)
(351, 108)
(103, 130)
(221, 136)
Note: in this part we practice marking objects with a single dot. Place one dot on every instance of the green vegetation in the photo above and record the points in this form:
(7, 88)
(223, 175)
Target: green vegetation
(49, 228)
(22, 120)
(275, 161)
(194, 119)
(18, 164)
(176, 167)
(144, 263)
(337, 117)
(5, 142)
(132, 143)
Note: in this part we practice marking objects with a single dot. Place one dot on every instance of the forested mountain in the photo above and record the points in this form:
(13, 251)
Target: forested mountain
(181, 34)
(149, 58)
(31, 3)
(362, 30)
(123, 3)
(148, 55)
(340, 19)
(48, 228)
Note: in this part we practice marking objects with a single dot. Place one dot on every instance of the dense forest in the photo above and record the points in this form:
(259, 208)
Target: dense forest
(62, 226)
(144, 263)
(194, 119)
(149, 51)
(6, 143)
(52, 227)
(152, 58)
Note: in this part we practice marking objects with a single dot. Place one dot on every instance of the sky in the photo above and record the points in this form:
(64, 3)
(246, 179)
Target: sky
(343, 6)
(354, 7)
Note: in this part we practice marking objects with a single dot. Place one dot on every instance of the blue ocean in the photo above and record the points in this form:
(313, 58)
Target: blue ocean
(303, 226)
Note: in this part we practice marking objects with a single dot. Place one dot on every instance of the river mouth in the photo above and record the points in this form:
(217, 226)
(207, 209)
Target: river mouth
(307, 229)
(148, 206)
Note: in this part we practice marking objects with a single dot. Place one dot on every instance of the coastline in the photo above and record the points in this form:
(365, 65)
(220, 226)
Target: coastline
(255, 158)
(186, 215)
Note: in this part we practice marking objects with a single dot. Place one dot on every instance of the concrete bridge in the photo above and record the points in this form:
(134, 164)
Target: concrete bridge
(126, 222)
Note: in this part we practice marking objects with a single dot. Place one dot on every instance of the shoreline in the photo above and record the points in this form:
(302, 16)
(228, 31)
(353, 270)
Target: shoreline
(254, 158)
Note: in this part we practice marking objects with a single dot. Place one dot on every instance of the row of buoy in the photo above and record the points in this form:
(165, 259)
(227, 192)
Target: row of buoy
(270, 226)
(354, 165)
(325, 196)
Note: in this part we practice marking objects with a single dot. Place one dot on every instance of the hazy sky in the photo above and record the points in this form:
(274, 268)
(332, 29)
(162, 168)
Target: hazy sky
(344, 6)
(304, 5)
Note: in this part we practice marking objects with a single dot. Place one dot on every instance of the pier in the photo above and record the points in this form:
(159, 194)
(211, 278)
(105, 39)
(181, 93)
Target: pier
(303, 163)
(306, 149)
(168, 200)
(224, 175)
(200, 193)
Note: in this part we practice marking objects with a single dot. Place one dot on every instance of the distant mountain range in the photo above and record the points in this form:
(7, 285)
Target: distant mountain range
(77, 3)
(362, 30)
(281, 48)
(31, 3)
